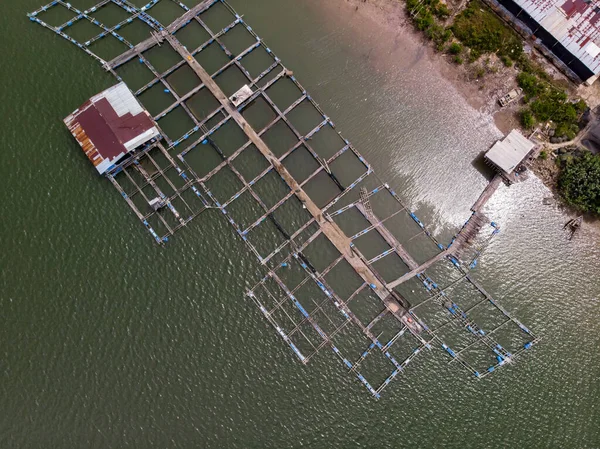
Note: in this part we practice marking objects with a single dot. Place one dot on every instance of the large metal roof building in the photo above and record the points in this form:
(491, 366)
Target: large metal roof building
(110, 125)
(570, 29)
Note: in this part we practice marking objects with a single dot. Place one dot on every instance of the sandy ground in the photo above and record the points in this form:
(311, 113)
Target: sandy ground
(481, 92)
(547, 171)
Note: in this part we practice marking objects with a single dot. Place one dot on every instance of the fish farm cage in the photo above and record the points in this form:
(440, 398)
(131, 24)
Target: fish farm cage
(348, 266)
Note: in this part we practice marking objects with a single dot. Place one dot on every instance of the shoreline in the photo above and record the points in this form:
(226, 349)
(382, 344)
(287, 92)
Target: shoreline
(479, 93)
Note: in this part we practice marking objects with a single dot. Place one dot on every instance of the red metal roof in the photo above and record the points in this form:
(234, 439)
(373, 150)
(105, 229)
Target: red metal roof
(573, 23)
(110, 125)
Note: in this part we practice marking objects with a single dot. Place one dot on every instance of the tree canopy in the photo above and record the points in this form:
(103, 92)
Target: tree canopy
(579, 182)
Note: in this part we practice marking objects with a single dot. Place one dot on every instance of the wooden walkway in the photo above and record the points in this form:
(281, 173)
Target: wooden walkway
(411, 263)
(157, 38)
(487, 193)
(331, 230)
(388, 236)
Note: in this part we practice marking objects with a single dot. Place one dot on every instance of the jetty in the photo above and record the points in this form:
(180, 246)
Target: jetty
(169, 181)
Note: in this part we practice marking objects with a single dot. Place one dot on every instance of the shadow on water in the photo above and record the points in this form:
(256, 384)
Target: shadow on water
(480, 165)
(109, 341)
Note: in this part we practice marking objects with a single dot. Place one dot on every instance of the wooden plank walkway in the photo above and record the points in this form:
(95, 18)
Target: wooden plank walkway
(485, 196)
(461, 238)
(419, 269)
(331, 230)
(155, 39)
(415, 268)
(388, 237)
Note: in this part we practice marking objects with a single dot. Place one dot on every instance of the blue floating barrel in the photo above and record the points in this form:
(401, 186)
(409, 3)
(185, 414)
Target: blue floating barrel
(204, 142)
(167, 91)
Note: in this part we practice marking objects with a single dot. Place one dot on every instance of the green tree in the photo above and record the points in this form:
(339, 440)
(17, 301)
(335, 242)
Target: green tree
(579, 182)
(530, 84)
(527, 119)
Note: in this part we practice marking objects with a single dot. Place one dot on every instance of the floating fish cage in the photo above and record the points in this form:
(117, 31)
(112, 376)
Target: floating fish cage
(340, 272)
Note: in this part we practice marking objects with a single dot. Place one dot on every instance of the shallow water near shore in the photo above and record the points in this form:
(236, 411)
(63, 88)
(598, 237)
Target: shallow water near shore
(109, 341)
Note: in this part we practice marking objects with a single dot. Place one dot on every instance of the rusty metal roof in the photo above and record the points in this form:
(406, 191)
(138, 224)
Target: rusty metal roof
(573, 23)
(110, 125)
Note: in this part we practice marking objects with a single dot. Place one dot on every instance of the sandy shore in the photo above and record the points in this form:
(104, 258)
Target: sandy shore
(388, 19)
(480, 93)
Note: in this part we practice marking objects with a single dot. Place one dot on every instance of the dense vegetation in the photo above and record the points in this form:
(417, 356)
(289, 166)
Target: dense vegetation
(479, 29)
(546, 102)
(425, 14)
(483, 32)
(579, 182)
(476, 26)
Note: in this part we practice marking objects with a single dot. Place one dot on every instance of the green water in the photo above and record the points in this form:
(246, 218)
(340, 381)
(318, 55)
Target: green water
(110, 341)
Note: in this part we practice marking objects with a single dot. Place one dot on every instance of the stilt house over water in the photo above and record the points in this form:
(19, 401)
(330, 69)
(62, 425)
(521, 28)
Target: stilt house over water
(111, 125)
(507, 154)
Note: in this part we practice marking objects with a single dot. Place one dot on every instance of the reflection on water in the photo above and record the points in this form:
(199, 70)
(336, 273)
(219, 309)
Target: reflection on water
(109, 341)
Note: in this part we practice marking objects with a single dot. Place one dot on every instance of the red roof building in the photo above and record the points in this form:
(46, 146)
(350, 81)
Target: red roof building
(570, 29)
(110, 125)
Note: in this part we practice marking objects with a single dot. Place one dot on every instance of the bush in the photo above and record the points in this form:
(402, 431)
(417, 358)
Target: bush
(424, 14)
(579, 182)
(543, 155)
(553, 105)
(455, 48)
(440, 10)
(566, 130)
(474, 55)
(530, 84)
(532, 68)
(581, 106)
(458, 60)
(447, 35)
(527, 119)
(439, 35)
(506, 61)
(424, 11)
(424, 20)
(550, 103)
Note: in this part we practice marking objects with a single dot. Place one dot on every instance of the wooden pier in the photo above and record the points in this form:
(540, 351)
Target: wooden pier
(163, 175)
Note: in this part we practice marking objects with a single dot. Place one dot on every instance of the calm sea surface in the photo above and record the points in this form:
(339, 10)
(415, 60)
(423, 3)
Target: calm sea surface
(108, 341)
